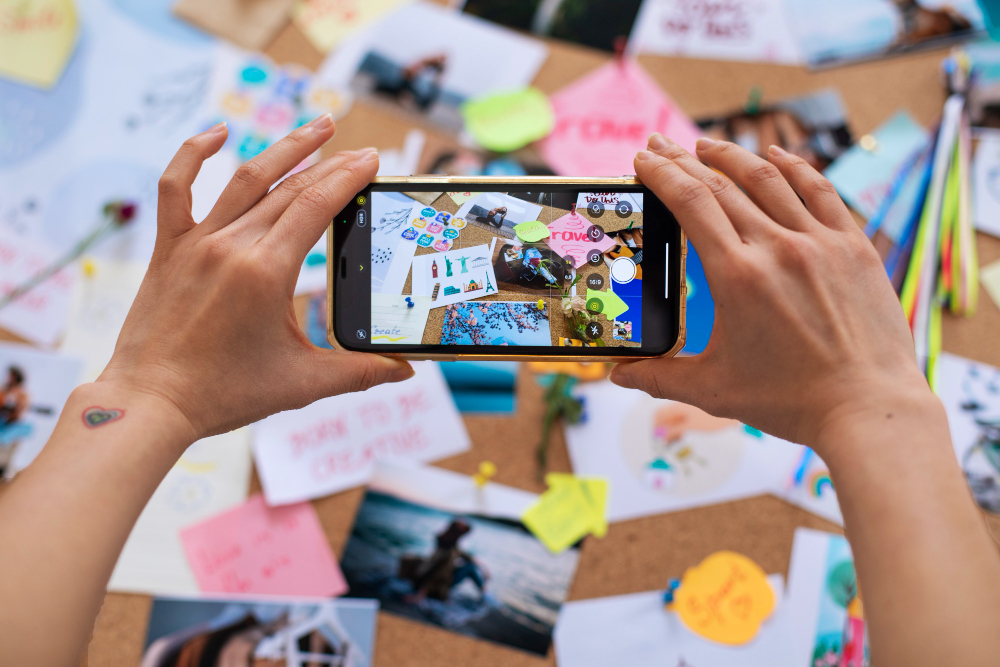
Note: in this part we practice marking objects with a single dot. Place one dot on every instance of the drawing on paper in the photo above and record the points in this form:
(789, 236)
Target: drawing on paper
(840, 628)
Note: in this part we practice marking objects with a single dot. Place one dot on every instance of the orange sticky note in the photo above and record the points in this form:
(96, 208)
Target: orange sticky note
(725, 598)
(37, 37)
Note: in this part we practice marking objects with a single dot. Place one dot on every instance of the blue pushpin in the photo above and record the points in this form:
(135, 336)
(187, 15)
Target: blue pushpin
(668, 595)
(409, 303)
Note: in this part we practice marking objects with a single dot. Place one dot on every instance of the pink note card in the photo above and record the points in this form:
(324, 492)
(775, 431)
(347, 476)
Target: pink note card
(604, 118)
(568, 237)
(258, 549)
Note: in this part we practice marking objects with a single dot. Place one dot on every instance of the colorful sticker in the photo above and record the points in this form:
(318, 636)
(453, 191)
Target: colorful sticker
(443, 217)
(409, 234)
(420, 222)
(435, 228)
(458, 223)
(442, 245)
(428, 212)
(451, 233)
(425, 240)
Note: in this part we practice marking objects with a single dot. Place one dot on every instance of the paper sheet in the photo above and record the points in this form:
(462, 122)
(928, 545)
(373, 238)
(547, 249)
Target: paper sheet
(100, 304)
(661, 456)
(604, 118)
(636, 630)
(334, 443)
(38, 38)
(989, 276)
(326, 23)
(396, 322)
(752, 30)
(212, 476)
(256, 549)
(40, 314)
(807, 483)
(863, 177)
(48, 380)
(455, 275)
(986, 183)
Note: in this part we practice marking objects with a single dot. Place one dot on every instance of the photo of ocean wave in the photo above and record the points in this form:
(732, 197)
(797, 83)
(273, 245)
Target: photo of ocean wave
(478, 576)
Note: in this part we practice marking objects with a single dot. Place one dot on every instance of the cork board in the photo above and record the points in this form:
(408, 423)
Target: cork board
(637, 555)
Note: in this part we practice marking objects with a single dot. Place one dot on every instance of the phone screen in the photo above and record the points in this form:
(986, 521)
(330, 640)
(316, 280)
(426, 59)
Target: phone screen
(559, 270)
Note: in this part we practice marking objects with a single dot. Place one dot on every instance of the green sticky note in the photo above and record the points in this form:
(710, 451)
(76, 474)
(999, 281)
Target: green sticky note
(507, 121)
(531, 231)
(613, 304)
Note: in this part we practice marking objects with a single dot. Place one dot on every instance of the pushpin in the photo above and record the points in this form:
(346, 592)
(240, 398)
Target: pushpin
(668, 595)
(487, 469)
(541, 304)
(409, 303)
(868, 143)
(89, 268)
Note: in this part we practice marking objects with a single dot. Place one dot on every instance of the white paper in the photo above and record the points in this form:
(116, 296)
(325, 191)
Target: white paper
(986, 184)
(334, 443)
(752, 30)
(40, 314)
(809, 487)
(390, 253)
(395, 322)
(212, 476)
(48, 381)
(456, 275)
(618, 441)
(970, 392)
(100, 305)
(637, 630)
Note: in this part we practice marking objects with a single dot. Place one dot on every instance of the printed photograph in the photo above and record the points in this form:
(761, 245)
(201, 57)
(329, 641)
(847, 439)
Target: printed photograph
(242, 632)
(475, 575)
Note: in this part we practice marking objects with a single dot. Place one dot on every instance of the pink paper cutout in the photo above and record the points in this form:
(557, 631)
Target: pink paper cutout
(258, 549)
(568, 238)
(605, 117)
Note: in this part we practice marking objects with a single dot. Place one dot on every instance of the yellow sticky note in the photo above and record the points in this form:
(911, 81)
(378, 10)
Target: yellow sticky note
(725, 598)
(611, 304)
(507, 121)
(989, 276)
(37, 38)
(461, 197)
(560, 518)
(595, 491)
(326, 23)
(531, 231)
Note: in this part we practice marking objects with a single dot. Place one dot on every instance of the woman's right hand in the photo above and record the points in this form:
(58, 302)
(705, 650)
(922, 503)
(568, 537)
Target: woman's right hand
(807, 327)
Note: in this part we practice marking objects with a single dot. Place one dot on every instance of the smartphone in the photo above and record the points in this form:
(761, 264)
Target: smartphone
(489, 268)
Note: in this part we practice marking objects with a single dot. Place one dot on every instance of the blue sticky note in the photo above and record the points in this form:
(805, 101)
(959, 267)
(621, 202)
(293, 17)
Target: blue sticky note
(863, 177)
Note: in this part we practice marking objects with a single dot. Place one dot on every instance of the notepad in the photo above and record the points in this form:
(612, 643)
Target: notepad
(396, 322)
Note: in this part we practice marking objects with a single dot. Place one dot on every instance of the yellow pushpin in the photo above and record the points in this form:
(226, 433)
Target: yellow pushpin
(487, 469)
(541, 304)
(89, 268)
(868, 143)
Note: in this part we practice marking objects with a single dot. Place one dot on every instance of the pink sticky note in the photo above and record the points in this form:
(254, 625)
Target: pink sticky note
(605, 117)
(254, 548)
(568, 238)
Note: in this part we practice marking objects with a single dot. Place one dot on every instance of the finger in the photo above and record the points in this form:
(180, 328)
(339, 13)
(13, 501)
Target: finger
(254, 178)
(817, 192)
(310, 213)
(173, 208)
(691, 201)
(335, 372)
(678, 378)
(760, 179)
(743, 213)
(262, 217)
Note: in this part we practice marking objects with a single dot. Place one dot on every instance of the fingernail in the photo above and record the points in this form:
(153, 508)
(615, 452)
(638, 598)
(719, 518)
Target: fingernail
(621, 378)
(369, 153)
(215, 129)
(404, 372)
(777, 150)
(321, 123)
(657, 141)
(705, 143)
(644, 155)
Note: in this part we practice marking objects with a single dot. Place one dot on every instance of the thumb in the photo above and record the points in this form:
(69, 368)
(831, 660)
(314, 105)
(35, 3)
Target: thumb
(340, 372)
(677, 378)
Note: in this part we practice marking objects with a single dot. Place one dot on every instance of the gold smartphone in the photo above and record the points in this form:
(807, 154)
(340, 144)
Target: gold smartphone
(496, 268)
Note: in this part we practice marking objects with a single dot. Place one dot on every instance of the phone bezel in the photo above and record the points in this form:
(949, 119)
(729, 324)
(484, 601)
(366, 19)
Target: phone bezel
(445, 352)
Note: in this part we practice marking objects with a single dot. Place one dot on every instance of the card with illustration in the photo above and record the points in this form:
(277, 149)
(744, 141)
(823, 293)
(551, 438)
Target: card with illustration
(393, 240)
(807, 483)
(34, 386)
(823, 591)
(970, 392)
(274, 631)
(433, 547)
(495, 323)
(455, 275)
(669, 457)
(498, 213)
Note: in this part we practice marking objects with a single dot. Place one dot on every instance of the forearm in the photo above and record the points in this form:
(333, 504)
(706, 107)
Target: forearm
(928, 569)
(64, 519)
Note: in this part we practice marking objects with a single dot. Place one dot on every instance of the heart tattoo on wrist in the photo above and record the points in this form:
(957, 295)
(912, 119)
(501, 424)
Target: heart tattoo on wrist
(95, 416)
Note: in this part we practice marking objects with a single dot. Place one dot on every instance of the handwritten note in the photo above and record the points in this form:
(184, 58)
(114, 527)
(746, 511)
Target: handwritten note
(37, 37)
(461, 197)
(725, 598)
(531, 231)
(605, 117)
(258, 549)
(396, 322)
(571, 509)
(568, 237)
(505, 122)
(327, 22)
(334, 443)
(38, 315)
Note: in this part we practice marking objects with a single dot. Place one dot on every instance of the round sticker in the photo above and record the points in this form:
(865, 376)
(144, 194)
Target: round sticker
(450, 233)
(428, 212)
(425, 240)
(458, 223)
(420, 222)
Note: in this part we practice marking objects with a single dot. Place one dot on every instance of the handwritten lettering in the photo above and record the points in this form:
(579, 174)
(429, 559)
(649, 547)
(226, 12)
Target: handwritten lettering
(17, 20)
(404, 441)
(317, 435)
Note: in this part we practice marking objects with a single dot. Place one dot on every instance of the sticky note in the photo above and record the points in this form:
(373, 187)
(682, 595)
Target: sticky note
(990, 277)
(327, 22)
(504, 122)
(725, 598)
(613, 304)
(37, 37)
(461, 197)
(531, 231)
(561, 517)
(569, 236)
(254, 548)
